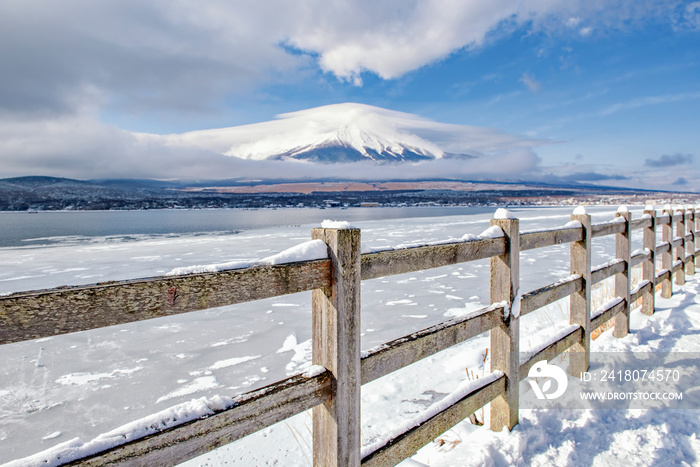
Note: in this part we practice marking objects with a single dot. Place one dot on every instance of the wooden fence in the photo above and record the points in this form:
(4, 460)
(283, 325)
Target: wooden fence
(333, 389)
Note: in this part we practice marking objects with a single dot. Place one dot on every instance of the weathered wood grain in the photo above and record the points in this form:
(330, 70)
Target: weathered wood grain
(663, 248)
(254, 411)
(696, 234)
(690, 242)
(335, 342)
(662, 276)
(641, 223)
(580, 300)
(505, 338)
(607, 314)
(401, 261)
(45, 313)
(603, 272)
(549, 237)
(407, 444)
(552, 350)
(639, 258)
(649, 266)
(639, 291)
(677, 266)
(664, 219)
(607, 228)
(409, 349)
(667, 256)
(543, 296)
(623, 249)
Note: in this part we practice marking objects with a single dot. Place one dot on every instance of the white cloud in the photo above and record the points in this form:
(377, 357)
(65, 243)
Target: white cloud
(357, 124)
(689, 17)
(528, 79)
(79, 147)
(188, 55)
(69, 64)
(394, 38)
(649, 100)
(502, 166)
(663, 177)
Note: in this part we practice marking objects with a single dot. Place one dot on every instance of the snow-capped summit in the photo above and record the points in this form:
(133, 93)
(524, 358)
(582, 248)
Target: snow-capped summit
(348, 132)
(343, 132)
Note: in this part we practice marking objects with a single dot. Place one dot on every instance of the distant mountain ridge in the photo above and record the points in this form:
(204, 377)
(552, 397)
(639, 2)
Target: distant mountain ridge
(38, 193)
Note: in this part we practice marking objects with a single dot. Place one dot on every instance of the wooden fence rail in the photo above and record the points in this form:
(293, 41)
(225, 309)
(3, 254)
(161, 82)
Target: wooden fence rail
(332, 389)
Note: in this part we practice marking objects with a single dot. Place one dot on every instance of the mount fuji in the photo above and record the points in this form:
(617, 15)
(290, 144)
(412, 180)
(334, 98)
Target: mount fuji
(348, 132)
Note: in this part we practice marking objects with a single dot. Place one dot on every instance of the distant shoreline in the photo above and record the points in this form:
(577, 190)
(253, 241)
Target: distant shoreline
(56, 194)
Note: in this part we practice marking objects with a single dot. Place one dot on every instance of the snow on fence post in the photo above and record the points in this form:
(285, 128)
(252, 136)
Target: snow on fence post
(649, 266)
(580, 302)
(680, 249)
(336, 346)
(505, 345)
(622, 280)
(667, 256)
(690, 244)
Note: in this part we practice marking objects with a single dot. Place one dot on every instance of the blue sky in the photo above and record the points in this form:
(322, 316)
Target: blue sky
(611, 88)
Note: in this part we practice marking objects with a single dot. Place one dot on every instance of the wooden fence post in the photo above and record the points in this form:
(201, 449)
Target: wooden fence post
(690, 246)
(667, 256)
(680, 250)
(580, 302)
(622, 280)
(336, 346)
(649, 266)
(505, 345)
(696, 226)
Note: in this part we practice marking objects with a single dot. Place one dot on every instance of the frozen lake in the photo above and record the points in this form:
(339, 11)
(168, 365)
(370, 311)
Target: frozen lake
(52, 227)
(84, 384)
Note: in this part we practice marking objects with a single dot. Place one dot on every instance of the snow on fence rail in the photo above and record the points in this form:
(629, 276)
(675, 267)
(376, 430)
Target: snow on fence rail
(332, 387)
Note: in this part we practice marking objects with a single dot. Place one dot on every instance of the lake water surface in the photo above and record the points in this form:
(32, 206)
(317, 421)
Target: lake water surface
(50, 227)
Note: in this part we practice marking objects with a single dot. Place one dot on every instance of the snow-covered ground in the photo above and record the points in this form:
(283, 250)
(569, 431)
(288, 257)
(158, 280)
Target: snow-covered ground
(86, 384)
(544, 437)
(597, 437)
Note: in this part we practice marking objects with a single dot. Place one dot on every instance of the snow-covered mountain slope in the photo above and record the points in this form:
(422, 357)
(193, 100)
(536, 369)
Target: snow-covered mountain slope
(348, 132)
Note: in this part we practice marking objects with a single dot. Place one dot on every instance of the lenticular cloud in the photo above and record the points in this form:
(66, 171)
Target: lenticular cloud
(366, 131)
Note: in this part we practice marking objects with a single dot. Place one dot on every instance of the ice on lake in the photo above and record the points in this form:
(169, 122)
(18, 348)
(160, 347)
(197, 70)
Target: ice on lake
(85, 384)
